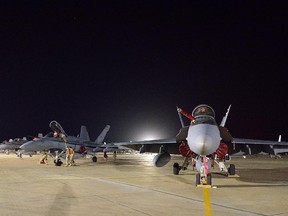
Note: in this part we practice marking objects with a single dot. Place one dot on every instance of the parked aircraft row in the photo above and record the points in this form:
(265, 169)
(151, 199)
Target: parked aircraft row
(203, 144)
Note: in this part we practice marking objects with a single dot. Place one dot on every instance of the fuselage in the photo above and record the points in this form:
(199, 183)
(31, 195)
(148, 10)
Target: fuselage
(49, 142)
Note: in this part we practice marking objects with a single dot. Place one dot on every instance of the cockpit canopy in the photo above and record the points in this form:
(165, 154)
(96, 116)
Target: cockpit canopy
(203, 114)
(203, 109)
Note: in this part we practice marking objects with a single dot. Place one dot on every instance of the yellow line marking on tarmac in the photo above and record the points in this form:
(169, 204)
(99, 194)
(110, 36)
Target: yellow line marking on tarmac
(207, 205)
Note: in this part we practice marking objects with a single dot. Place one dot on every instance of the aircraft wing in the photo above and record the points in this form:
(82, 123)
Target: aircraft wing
(151, 145)
(254, 146)
(247, 146)
(257, 142)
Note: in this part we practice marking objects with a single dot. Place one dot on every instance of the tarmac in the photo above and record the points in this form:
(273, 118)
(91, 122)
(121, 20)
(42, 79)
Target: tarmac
(131, 185)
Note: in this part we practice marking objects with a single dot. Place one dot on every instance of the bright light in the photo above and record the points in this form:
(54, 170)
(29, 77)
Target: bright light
(142, 133)
(149, 135)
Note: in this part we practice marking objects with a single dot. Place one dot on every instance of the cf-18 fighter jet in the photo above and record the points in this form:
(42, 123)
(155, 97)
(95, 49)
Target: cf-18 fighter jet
(14, 145)
(204, 143)
(57, 141)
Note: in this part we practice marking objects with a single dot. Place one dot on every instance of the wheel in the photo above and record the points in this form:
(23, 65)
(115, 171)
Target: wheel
(58, 162)
(231, 169)
(94, 159)
(209, 179)
(176, 169)
(197, 179)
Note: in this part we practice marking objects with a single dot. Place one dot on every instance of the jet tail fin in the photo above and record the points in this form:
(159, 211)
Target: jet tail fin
(279, 138)
(102, 135)
(84, 133)
(223, 122)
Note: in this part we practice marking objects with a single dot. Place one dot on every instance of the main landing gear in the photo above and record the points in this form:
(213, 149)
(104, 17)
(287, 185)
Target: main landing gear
(203, 165)
(58, 162)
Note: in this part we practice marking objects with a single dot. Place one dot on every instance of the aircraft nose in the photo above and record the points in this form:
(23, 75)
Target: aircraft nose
(26, 146)
(203, 143)
(203, 139)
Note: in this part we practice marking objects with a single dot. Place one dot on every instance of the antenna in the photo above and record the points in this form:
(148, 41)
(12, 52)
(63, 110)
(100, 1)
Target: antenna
(180, 117)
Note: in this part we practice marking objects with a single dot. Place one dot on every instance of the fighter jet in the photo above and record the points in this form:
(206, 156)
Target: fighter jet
(55, 143)
(204, 144)
(14, 145)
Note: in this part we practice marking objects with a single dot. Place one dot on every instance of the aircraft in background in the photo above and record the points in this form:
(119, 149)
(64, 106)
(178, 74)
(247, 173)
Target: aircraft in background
(204, 143)
(14, 145)
(53, 143)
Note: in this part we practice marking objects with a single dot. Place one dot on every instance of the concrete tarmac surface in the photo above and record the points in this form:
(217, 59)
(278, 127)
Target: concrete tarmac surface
(131, 185)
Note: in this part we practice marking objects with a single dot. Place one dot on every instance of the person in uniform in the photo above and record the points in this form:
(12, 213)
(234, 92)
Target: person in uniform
(72, 162)
(44, 158)
(67, 156)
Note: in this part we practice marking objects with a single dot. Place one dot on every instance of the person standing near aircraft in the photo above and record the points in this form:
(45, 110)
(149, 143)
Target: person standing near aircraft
(72, 162)
(44, 158)
(67, 156)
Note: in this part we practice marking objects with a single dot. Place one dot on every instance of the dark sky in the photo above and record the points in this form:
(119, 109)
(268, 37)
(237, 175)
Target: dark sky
(130, 63)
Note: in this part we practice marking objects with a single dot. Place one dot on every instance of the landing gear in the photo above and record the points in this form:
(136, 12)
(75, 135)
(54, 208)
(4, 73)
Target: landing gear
(203, 180)
(186, 162)
(58, 162)
(228, 171)
(203, 165)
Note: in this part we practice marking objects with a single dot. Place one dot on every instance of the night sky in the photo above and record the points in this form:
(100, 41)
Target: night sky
(130, 63)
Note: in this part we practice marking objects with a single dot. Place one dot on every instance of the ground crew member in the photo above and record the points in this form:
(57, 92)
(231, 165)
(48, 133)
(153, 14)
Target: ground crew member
(72, 162)
(44, 158)
(67, 156)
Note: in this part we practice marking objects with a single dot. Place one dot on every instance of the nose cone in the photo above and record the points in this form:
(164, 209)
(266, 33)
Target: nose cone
(203, 139)
(29, 146)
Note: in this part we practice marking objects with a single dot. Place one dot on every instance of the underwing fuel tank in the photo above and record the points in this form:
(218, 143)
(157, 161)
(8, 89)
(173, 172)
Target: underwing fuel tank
(161, 159)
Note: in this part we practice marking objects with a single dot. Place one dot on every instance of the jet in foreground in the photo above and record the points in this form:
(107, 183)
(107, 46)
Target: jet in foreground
(204, 143)
(53, 143)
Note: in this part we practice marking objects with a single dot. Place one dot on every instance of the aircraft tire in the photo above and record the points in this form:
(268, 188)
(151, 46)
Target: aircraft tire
(176, 169)
(197, 179)
(231, 169)
(94, 159)
(58, 162)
